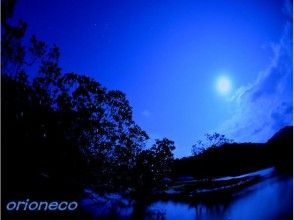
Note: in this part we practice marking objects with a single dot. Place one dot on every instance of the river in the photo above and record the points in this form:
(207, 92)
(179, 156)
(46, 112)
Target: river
(269, 199)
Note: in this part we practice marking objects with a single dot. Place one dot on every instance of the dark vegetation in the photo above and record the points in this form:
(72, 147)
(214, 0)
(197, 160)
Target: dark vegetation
(237, 158)
(63, 132)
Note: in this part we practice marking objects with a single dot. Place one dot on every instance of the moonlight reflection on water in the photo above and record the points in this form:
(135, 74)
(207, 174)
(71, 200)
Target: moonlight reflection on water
(269, 199)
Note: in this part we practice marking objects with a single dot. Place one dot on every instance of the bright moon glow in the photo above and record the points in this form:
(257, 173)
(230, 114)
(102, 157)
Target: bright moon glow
(223, 85)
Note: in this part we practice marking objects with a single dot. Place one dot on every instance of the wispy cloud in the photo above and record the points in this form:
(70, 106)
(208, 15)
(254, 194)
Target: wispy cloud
(265, 106)
(146, 113)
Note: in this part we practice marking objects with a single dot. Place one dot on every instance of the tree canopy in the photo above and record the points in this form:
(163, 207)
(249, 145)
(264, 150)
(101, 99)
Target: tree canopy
(66, 128)
(211, 141)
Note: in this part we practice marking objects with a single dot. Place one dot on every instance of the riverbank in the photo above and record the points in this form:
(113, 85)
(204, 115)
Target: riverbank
(212, 187)
(182, 193)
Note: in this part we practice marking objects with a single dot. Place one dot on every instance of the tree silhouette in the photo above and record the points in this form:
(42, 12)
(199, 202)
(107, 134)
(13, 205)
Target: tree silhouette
(64, 131)
(211, 141)
(154, 164)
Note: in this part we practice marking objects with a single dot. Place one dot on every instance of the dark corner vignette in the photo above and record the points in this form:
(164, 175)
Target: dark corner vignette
(146, 110)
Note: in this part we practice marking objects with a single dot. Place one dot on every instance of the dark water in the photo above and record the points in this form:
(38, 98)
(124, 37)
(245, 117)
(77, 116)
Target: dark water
(270, 199)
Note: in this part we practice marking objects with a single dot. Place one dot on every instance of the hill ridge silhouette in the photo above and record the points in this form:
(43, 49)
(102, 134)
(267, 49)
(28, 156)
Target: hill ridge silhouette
(238, 158)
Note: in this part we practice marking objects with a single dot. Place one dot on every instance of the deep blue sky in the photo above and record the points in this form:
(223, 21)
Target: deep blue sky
(168, 55)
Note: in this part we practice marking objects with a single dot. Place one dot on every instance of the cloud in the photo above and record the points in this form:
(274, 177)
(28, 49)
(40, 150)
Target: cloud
(146, 113)
(265, 106)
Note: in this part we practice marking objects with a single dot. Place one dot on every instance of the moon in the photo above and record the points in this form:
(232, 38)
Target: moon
(223, 85)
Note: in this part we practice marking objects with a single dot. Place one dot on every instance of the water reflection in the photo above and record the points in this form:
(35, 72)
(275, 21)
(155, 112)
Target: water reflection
(270, 199)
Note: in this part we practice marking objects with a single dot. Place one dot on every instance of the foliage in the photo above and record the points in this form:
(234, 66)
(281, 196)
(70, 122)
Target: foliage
(154, 164)
(225, 160)
(211, 141)
(66, 129)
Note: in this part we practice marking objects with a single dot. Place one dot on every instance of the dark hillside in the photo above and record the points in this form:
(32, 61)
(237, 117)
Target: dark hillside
(281, 146)
(238, 158)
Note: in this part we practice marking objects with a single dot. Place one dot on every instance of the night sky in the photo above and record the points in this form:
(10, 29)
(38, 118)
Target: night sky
(187, 67)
